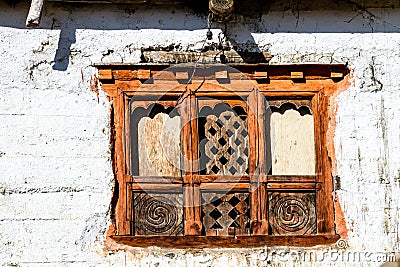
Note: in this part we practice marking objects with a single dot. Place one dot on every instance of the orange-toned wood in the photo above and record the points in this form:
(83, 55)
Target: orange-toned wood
(185, 108)
(105, 74)
(288, 94)
(125, 75)
(253, 134)
(127, 140)
(222, 179)
(195, 228)
(224, 186)
(325, 216)
(318, 119)
(190, 227)
(182, 75)
(288, 85)
(290, 178)
(199, 242)
(143, 95)
(297, 186)
(189, 139)
(164, 75)
(156, 180)
(110, 89)
(221, 74)
(262, 228)
(260, 75)
(156, 187)
(262, 168)
(274, 88)
(296, 75)
(129, 207)
(143, 74)
(146, 103)
(212, 102)
(122, 216)
(197, 225)
(336, 75)
(126, 85)
(252, 117)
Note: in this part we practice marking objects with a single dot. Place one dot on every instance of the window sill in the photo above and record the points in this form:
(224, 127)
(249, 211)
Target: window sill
(185, 242)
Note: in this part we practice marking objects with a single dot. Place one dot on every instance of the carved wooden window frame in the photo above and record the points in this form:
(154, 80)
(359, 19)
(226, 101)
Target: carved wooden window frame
(316, 83)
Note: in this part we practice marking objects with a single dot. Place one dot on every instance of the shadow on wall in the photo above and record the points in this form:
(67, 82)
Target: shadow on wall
(275, 17)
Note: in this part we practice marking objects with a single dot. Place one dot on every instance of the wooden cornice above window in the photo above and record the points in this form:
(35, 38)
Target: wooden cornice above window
(264, 76)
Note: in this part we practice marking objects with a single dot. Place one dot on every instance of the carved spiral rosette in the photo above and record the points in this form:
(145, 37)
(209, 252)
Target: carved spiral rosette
(292, 213)
(158, 214)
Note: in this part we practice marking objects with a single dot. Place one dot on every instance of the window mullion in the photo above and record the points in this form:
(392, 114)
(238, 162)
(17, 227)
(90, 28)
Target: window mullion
(262, 167)
(122, 214)
(191, 189)
(324, 201)
(257, 189)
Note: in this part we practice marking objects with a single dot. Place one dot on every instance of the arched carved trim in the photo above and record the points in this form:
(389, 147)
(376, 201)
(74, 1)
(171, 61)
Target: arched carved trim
(284, 106)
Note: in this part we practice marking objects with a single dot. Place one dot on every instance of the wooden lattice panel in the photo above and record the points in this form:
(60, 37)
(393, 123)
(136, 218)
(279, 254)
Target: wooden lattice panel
(227, 144)
(292, 213)
(226, 214)
(158, 214)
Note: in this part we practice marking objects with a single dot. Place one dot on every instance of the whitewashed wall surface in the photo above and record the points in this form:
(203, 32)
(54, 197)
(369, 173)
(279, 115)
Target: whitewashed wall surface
(56, 179)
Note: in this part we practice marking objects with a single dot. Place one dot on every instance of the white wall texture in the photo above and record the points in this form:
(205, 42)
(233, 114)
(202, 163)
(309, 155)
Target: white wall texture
(56, 180)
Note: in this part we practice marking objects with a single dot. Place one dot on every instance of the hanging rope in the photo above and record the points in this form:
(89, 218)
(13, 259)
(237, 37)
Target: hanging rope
(187, 91)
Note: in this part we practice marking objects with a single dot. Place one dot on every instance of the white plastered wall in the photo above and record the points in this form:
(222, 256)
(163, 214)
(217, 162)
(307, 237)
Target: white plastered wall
(56, 179)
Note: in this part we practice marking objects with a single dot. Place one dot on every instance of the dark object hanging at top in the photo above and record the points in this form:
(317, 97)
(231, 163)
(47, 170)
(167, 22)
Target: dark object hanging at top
(222, 10)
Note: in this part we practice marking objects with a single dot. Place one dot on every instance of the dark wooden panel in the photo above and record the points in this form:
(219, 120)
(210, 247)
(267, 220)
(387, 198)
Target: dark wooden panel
(292, 213)
(226, 214)
(158, 214)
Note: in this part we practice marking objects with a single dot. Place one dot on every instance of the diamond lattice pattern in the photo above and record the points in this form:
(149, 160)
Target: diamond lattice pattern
(226, 214)
(227, 144)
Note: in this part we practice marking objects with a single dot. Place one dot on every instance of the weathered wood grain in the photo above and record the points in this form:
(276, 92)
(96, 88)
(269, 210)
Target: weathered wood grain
(159, 146)
(199, 242)
(292, 143)
(226, 214)
(158, 214)
(292, 213)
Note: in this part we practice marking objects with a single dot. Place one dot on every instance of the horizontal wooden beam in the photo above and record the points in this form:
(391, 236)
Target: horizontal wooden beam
(167, 71)
(199, 242)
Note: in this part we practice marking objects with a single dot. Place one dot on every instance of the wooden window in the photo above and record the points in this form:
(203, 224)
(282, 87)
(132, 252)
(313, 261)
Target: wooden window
(220, 162)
